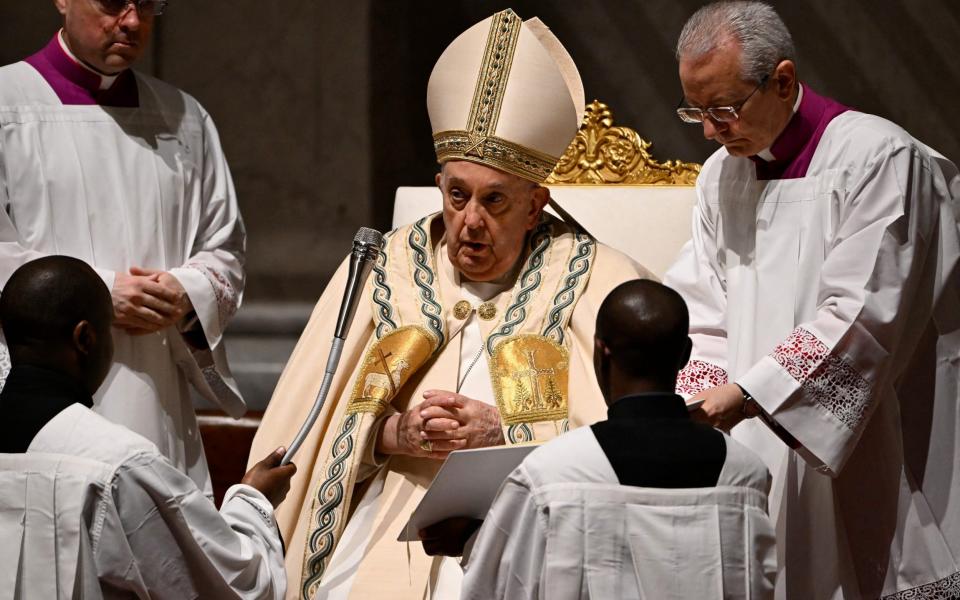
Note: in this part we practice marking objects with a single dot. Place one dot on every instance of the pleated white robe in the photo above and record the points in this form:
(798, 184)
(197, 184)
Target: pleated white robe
(124, 187)
(93, 511)
(834, 300)
(563, 528)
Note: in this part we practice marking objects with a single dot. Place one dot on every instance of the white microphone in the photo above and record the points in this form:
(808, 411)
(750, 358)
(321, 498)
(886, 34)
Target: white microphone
(366, 248)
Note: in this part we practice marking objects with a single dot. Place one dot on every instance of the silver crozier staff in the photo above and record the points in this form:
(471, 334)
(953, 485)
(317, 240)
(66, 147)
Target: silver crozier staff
(366, 248)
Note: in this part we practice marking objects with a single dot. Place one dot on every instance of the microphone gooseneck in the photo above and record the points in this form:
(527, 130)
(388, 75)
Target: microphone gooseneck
(366, 248)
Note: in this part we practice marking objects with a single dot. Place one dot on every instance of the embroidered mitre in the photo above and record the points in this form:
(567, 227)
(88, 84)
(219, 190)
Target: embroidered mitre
(505, 94)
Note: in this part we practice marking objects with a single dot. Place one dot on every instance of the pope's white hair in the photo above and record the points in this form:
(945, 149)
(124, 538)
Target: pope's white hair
(763, 38)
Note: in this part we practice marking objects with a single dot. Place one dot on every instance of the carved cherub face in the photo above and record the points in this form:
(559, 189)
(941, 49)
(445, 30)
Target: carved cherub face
(487, 214)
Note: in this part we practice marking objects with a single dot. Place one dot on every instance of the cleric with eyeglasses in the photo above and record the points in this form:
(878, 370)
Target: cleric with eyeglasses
(824, 262)
(126, 172)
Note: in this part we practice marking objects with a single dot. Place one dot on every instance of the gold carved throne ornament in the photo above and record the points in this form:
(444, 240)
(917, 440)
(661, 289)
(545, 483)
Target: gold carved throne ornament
(602, 153)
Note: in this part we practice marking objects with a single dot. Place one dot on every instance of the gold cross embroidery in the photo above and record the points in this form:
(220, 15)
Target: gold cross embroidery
(476, 147)
(386, 369)
(532, 374)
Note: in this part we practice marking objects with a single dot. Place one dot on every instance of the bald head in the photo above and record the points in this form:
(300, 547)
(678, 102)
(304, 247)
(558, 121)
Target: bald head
(56, 310)
(641, 333)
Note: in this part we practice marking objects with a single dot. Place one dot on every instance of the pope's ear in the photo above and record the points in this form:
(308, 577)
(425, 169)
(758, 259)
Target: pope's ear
(437, 179)
(61, 6)
(539, 199)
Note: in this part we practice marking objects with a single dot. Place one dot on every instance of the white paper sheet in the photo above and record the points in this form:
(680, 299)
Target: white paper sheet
(465, 486)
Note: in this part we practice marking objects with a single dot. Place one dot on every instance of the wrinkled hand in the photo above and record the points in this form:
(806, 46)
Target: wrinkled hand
(269, 478)
(147, 300)
(407, 429)
(722, 406)
(451, 417)
(448, 537)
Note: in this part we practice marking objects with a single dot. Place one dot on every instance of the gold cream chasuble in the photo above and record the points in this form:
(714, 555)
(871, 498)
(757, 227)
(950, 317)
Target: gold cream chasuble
(405, 340)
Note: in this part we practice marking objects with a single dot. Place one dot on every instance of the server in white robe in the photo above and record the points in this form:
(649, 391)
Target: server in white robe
(647, 504)
(92, 509)
(126, 173)
(822, 279)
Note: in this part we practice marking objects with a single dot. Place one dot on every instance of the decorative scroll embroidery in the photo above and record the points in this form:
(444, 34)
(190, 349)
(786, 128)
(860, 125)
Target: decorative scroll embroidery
(382, 293)
(947, 588)
(829, 380)
(699, 375)
(423, 277)
(386, 367)
(563, 302)
(223, 290)
(519, 433)
(528, 283)
(321, 542)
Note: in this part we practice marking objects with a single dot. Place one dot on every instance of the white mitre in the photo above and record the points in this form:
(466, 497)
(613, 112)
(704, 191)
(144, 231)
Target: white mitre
(505, 94)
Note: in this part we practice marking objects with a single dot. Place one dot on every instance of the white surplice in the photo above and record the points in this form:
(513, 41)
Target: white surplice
(563, 528)
(93, 510)
(834, 300)
(124, 187)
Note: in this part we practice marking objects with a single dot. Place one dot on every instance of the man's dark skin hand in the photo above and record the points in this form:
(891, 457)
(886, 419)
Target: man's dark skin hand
(448, 537)
(269, 478)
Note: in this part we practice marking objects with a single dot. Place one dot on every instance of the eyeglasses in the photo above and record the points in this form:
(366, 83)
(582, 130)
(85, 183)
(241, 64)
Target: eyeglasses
(723, 114)
(146, 8)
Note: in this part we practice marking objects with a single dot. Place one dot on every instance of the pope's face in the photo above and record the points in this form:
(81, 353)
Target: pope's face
(487, 214)
(107, 42)
(714, 80)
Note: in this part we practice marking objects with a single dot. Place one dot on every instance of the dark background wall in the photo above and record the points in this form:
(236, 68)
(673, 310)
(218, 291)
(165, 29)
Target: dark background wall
(322, 113)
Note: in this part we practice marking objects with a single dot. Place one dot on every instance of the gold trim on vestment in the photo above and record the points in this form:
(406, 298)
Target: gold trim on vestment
(492, 79)
(387, 365)
(530, 376)
(496, 152)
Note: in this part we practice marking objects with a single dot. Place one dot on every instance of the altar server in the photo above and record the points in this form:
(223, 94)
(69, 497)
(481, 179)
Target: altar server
(646, 504)
(89, 509)
(823, 280)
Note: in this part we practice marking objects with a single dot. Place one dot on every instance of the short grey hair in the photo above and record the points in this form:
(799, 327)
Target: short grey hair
(763, 38)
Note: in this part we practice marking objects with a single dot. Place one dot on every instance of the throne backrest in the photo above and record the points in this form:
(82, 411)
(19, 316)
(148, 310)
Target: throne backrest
(611, 185)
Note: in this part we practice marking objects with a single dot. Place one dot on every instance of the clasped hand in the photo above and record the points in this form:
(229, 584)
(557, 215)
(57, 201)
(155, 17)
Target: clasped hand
(147, 300)
(442, 423)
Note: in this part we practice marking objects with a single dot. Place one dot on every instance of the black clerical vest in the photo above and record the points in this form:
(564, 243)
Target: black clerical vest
(651, 441)
(31, 397)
